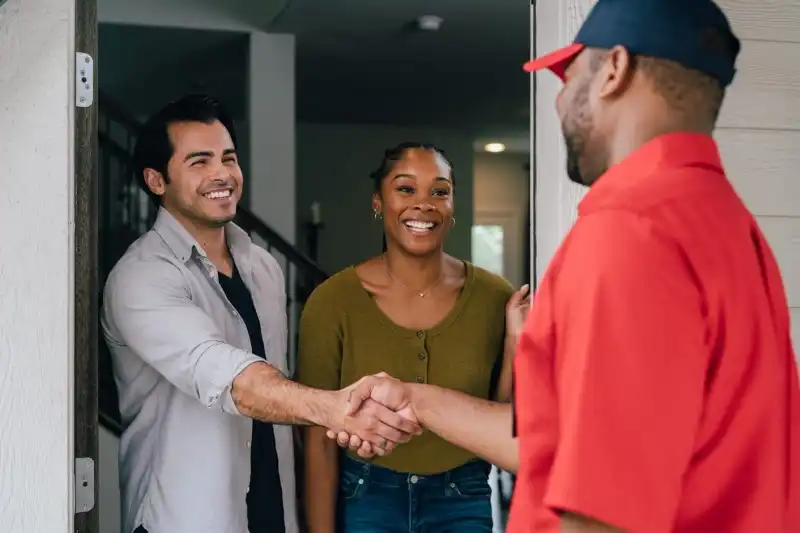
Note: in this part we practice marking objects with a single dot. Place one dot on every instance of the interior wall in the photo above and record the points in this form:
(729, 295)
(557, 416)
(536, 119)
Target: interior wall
(37, 68)
(333, 166)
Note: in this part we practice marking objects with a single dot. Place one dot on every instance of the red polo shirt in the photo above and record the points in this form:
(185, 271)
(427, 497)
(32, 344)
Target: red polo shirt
(656, 384)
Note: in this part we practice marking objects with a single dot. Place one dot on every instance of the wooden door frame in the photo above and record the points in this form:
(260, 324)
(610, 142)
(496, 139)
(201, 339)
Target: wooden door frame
(86, 265)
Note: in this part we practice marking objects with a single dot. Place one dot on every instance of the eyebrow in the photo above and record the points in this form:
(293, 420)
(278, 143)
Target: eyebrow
(208, 153)
(412, 176)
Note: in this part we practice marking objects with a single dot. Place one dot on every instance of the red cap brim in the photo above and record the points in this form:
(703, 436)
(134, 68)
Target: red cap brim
(556, 61)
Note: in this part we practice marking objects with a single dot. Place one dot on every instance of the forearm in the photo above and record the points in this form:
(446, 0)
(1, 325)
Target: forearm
(503, 393)
(263, 393)
(321, 476)
(477, 425)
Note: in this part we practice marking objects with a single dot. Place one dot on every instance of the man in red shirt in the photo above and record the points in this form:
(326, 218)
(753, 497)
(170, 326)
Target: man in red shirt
(656, 384)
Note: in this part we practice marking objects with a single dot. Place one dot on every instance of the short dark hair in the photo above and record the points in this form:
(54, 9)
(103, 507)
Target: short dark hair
(690, 91)
(153, 146)
(687, 91)
(392, 155)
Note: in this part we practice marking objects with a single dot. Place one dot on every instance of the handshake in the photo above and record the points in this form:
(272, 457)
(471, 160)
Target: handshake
(377, 415)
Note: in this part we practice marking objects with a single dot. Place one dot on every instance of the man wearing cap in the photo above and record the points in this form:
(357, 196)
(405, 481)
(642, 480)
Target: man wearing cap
(656, 384)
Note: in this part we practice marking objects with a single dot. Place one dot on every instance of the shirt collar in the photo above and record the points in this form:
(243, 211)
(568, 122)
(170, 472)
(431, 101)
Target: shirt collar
(672, 150)
(184, 246)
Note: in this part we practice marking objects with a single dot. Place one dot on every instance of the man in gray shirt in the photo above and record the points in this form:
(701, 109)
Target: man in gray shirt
(194, 316)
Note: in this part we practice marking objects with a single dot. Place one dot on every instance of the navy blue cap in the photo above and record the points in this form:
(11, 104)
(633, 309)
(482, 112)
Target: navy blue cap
(693, 33)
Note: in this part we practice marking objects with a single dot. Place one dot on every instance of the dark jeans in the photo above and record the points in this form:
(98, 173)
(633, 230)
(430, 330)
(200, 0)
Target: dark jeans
(378, 500)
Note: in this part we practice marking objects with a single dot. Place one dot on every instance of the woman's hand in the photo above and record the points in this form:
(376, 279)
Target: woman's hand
(517, 311)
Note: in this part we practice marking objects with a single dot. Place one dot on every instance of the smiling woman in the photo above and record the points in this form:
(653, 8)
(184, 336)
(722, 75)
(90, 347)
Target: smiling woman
(422, 316)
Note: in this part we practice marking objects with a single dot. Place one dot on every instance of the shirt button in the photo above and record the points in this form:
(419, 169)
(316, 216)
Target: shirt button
(249, 444)
(420, 379)
(421, 356)
(420, 334)
(414, 479)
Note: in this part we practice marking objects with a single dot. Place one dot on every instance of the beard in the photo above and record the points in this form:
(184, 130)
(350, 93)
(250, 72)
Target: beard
(575, 147)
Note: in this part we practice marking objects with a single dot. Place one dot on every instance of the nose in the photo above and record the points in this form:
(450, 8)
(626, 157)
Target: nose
(425, 206)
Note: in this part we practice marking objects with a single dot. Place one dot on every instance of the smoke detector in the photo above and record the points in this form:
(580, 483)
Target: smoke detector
(429, 23)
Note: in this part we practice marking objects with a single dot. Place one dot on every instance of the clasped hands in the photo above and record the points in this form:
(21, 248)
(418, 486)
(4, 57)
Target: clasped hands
(377, 417)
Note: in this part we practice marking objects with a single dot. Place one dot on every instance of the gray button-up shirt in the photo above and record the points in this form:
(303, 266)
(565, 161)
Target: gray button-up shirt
(176, 345)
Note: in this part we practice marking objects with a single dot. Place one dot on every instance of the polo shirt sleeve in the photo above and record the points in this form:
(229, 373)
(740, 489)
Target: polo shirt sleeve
(630, 368)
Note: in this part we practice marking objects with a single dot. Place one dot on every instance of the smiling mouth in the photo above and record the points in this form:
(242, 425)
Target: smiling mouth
(218, 195)
(419, 227)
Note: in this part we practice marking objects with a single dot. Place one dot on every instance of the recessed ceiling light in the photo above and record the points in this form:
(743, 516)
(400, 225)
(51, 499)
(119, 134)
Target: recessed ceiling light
(495, 148)
(429, 22)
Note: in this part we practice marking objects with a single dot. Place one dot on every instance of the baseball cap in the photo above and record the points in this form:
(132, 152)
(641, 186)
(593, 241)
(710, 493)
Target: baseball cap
(694, 33)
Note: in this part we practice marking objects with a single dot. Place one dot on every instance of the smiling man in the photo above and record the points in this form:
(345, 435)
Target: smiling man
(194, 316)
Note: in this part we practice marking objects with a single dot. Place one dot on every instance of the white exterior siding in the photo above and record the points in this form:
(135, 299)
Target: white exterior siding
(759, 130)
(758, 134)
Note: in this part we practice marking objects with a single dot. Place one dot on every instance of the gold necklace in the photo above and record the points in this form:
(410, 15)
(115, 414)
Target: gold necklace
(421, 294)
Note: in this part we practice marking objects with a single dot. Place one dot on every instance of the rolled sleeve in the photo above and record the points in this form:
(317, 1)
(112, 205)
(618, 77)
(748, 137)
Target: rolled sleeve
(147, 308)
(630, 374)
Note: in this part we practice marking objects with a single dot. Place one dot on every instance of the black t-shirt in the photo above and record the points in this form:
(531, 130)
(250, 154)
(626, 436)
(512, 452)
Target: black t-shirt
(265, 497)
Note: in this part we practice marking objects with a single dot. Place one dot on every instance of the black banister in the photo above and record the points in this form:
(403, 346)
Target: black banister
(252, 224)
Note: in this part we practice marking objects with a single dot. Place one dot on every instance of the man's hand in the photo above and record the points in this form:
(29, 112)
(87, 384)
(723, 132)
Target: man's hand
(368, 395)
(375, 412)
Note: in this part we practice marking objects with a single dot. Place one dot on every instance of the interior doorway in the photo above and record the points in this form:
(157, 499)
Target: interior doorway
(498, 244)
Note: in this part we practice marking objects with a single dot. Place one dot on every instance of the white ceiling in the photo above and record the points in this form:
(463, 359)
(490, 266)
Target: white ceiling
(357, 60)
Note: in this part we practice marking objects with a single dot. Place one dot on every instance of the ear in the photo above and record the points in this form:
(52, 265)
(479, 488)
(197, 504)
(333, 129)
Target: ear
(377, 203)
(155, 181)
(616, 72)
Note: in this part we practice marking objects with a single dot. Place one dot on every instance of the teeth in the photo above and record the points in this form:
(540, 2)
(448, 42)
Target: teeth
(418, 225)
(218, 194)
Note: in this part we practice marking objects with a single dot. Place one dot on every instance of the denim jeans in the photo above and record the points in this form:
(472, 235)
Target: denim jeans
(373, 499)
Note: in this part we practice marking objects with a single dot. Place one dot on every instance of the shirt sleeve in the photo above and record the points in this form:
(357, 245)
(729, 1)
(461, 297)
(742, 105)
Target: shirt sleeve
(629, 373)
(319, 360)
(147, 307)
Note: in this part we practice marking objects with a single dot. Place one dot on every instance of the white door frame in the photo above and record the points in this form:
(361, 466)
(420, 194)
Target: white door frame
(553, 196)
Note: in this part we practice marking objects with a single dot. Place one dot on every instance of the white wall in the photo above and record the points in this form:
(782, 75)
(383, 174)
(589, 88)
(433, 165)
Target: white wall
(333, 166)
(271, 130)
(37, 59)
(759, 129)
(501, 196)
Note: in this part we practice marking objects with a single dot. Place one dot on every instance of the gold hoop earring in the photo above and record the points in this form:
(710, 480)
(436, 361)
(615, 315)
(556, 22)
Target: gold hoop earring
(453, 222)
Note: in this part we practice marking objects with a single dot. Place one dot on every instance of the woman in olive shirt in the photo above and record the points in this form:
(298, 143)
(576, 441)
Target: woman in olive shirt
(420, 315)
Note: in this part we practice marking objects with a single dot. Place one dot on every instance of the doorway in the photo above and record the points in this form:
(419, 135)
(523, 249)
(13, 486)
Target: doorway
(498, 244)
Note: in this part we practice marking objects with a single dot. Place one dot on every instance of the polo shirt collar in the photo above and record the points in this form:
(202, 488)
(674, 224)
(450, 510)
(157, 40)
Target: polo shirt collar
(184, 246)
(671, 150)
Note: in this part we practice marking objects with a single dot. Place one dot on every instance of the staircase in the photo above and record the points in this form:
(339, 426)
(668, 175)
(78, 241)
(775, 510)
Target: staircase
(126, 213)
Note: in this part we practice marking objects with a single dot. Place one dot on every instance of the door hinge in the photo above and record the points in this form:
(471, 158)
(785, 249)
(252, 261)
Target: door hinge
(84, 80)
(84, 484)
